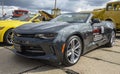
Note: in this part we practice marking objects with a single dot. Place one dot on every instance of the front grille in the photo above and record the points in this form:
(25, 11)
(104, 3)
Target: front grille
(32, 51)
(32, 54)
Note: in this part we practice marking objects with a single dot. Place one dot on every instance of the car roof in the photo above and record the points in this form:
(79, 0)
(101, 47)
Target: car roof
(114, 2)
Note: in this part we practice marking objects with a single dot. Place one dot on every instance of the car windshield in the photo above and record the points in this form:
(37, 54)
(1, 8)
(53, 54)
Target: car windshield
(24, 17)
(72, 18)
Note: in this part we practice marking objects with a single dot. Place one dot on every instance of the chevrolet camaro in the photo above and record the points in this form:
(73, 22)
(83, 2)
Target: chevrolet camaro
(63, 39)
(6, 26)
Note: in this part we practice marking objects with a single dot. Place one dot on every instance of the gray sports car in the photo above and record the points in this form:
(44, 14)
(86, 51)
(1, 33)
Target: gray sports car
(63, 39)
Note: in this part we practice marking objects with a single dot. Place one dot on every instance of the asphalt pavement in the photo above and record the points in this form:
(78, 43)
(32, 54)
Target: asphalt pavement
(99, 61)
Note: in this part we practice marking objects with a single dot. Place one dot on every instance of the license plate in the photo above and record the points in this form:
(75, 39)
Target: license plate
(17, 47)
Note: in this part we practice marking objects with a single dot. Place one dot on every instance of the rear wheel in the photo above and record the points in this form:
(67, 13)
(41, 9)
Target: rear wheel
(112, 39)
(8, 38)
(73, 51)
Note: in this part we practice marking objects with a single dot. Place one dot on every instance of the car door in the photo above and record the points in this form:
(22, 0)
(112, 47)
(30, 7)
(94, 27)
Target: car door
(98, 33)
(87, 31)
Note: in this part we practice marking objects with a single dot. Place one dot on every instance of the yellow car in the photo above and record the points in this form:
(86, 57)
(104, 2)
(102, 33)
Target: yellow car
(7, 26)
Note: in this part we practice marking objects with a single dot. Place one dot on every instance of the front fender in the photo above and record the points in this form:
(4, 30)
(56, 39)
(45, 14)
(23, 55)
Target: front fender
(2, 33)
(70, 31)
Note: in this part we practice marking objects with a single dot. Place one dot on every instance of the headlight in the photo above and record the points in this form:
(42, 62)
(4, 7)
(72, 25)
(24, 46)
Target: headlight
(18, 35)
(1, 28)
(46, 35)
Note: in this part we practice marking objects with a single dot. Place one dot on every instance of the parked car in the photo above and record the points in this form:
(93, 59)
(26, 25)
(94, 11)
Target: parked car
(63, 39)
(6, 26)
(8, 17)
(110, 13)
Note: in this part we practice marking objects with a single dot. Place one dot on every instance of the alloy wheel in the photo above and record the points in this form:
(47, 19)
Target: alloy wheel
(10, 38)
(112, 38)
(74, 50)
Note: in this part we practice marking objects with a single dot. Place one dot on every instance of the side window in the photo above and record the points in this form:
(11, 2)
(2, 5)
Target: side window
(109, 7)
(117, 7)
(113, 7)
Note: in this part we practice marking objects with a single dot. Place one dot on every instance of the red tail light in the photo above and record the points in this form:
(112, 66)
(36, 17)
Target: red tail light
(96, 31)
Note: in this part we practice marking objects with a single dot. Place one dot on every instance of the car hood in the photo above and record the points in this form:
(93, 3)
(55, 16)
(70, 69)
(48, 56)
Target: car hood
(13, 23)
(41, 27)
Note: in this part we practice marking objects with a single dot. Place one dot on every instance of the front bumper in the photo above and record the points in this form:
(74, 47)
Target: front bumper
(2, 32)
(38, 49)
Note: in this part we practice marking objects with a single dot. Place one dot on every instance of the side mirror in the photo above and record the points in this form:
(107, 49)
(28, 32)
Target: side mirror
(95, 20)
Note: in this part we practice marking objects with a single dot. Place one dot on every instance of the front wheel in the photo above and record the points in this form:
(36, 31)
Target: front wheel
(8, 38)
(72, 51)
(112, 39)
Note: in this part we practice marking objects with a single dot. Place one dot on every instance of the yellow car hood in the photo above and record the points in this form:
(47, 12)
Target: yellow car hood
(12, 23)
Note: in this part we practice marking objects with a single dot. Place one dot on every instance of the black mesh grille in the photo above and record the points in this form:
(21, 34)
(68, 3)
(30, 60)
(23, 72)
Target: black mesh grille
(32, 51)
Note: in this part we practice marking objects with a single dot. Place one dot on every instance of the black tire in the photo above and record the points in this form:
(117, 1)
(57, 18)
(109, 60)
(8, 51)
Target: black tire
(111, 40)
(66, 58)
(8, 37)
